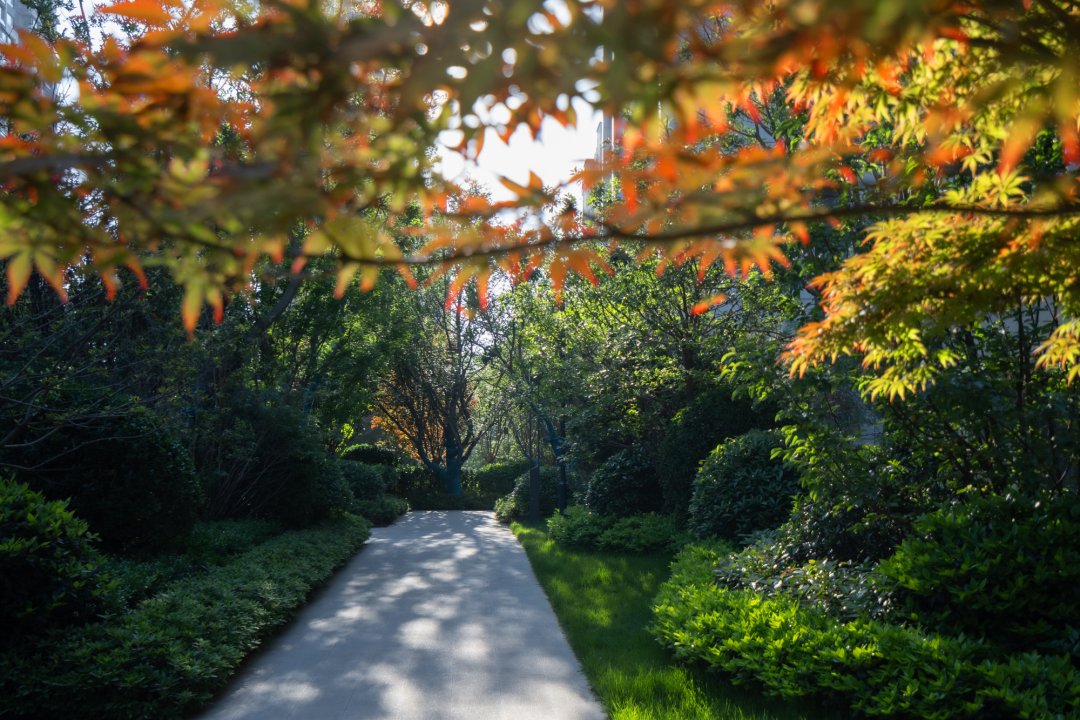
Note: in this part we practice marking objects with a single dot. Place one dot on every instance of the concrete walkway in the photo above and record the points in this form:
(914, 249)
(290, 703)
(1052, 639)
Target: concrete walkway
(438, 617)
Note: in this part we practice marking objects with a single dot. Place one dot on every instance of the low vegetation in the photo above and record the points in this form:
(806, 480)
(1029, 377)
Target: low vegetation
(175, 628)
(604, 604)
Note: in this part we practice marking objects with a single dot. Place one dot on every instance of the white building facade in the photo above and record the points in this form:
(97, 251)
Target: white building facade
(14, 16)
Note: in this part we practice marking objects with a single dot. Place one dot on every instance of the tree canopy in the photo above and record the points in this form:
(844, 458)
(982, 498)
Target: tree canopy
(214, 134)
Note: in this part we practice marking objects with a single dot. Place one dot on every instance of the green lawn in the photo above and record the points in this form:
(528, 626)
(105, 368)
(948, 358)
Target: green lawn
(604, 602)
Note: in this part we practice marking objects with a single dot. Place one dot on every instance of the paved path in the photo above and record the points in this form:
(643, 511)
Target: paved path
(438, 617)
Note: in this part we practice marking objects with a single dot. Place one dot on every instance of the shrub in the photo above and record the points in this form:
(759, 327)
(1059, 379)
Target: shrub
(262, 457)
(167, 657)
(497, 478)
(844, 590)
(380, 512)
(371, 455)
(740, 489)
(625, 485)
(443, 501)
(515, 506)
(414, 480)
(211, 543)
(878, 669)
(130, 478)
(368, 482)
(713, 417)
(1007, 567)
(637, 534)
(49, 570)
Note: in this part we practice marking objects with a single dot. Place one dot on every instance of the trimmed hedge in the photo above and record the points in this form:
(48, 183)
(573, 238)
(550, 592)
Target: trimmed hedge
(497, 478)
(741, 489)
(166, 658)
(879, 669)
(380, 512)
(515, 506)
(637, 534)
(1007, 567)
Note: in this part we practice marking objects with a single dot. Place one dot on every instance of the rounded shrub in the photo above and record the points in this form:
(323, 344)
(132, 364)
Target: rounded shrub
(371, 455)
(497, 478)
(625, 485)
(130, 478)
(49, 569)
(713, 417)
(368, 482)
(515, 506)
(1006, 567)
(740, 489)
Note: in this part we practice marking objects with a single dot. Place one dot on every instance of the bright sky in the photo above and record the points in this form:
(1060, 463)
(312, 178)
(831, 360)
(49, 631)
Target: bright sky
(553, 156)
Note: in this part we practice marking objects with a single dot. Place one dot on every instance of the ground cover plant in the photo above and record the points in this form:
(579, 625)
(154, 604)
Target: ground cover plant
(166, 655)
(879, 668)
(604, 604)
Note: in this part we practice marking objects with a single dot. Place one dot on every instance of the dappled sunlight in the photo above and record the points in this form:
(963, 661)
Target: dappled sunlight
(438, 616)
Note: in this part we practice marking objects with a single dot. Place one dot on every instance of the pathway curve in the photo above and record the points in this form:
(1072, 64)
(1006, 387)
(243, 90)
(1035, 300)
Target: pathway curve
(438, 617)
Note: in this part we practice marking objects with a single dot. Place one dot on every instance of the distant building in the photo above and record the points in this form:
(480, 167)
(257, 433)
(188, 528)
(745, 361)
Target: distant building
(15, 16)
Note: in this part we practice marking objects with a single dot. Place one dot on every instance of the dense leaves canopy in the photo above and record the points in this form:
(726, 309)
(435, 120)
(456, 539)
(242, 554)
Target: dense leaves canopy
(204, 139)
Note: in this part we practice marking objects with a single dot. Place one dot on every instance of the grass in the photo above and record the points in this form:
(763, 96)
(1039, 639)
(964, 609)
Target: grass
(604, 603)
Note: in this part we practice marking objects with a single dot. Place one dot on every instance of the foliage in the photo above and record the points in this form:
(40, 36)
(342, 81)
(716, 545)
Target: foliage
(637, 534)
(441, 501)
(430, 397)
(845, 590)
(366, 481)
(167, 657)
(515, 506)
(918, 120)
(879, 669)
(129, 477)
(50, 572)
(625, 485)
(713, 417)
(380, 512)
(498, 478)
(211, 543)
(1007, 568)
(603, 602)
(261, 456)
(371, 455)
(417, 480)
(741, 488)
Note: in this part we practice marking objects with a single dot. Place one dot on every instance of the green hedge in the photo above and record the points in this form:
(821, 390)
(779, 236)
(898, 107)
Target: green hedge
(515, 506)
(497, 478)
(380, 512)
(637, 534)
(741, 488)
(167, 657)
(879, 669)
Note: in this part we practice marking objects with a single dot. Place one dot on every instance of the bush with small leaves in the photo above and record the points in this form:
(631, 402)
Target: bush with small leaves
(515, 506)
(713, 417)
(166, 658)
(371, 455)
(1006, 567)
(637, 534)
(876, 668)
(380, 512)
(130, 478)
(50, 573)
(497, 478)
(625, 485)
(740, 489)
